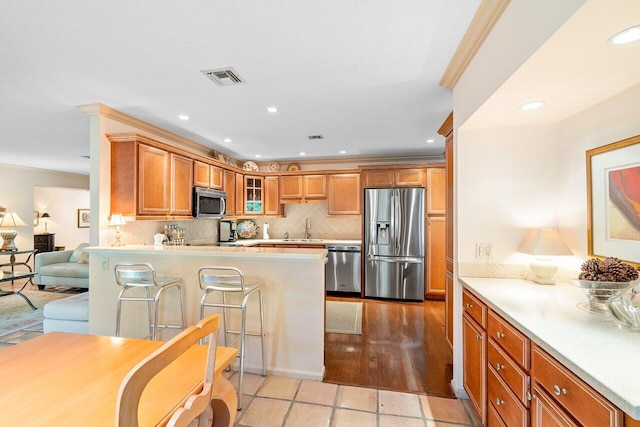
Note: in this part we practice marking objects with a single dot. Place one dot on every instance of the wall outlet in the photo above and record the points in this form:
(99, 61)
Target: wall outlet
(105, 264)
(484, 251)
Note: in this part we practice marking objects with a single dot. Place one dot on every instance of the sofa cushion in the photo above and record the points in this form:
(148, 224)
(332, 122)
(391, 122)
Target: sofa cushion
(65, 269)
(77, 252)
(75, 307)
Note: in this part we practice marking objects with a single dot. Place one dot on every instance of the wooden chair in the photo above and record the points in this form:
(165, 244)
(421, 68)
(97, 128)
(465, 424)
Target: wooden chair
(137, 379)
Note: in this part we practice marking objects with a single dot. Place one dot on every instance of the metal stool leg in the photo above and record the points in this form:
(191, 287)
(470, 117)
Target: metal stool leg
(241, 352)
(262, 334)
(119, 311)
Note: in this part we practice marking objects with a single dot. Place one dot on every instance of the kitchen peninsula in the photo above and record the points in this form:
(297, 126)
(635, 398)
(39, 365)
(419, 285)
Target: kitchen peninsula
(292, 283)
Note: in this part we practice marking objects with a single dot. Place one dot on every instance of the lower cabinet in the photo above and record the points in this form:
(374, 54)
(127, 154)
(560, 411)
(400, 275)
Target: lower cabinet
(523, 384)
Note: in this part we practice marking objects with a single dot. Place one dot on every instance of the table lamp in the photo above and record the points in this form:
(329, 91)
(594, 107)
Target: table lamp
(45, 216)
(8, 234)
(543, 244)
(117, 220)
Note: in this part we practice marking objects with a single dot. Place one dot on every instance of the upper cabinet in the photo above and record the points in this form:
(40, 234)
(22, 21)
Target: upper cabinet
(436, 191)
(303, 189)
(254, 195)
(207, 176)
(148, 181)
(344, 194)
(405, 177)
(272, 204)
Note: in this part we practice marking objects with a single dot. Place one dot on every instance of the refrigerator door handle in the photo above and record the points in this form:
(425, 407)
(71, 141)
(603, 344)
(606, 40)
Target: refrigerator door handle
(395, 260)
(398, 215)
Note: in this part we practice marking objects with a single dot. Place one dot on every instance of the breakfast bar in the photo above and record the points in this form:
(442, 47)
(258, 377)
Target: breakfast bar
(291, 279)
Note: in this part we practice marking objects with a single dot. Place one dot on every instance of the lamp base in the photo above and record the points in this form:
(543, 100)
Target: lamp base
(118, 242)
(543, 269)
(8, 236)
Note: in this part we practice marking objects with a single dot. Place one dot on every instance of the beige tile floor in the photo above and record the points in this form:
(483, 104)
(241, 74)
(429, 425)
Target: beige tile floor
(289, 402)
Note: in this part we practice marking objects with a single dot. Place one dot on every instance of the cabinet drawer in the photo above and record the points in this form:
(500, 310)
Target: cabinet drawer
(511, 340)
(475, 308)
(544, 412)
(508, 371)
(512, 412)
(493, 419)
(578, 398)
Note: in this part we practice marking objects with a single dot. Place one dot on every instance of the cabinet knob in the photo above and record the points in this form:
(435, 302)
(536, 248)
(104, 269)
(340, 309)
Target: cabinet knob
(558, 391)
(468, 305)
(499, 334)
(478, 337)
(499, 402)
(499, 366)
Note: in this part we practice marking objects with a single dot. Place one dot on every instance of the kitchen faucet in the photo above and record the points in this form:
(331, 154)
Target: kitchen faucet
(307, 227)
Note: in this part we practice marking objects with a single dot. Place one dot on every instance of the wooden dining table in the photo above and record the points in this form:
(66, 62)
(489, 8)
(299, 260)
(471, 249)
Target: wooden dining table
(64, 379)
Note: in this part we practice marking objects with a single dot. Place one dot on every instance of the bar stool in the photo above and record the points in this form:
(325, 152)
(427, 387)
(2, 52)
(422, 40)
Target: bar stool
(230, 280)
(142, 275)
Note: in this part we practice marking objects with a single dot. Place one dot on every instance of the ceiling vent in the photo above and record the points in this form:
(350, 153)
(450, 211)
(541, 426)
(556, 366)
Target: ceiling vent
(312, 137)
(224, 76)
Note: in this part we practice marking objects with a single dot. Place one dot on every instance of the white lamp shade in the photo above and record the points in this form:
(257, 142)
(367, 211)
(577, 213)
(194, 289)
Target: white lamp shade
(544, 242)
(116, 219)
(10, 220)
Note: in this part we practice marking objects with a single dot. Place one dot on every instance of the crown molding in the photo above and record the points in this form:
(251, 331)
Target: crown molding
(481, 25)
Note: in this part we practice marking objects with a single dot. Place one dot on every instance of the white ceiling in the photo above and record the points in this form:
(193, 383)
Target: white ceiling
(362, 73)
(575, 69)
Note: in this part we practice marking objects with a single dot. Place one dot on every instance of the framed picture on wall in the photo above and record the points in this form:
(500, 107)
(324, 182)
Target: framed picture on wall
(84, 218)
(613, 204)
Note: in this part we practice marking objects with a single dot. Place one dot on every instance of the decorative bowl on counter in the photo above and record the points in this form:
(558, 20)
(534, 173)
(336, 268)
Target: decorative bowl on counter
(247, 229)
(599, 293)
(626, 308)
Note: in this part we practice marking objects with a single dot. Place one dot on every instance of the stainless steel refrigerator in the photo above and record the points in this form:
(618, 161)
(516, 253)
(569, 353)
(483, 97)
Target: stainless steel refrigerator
(394, 243)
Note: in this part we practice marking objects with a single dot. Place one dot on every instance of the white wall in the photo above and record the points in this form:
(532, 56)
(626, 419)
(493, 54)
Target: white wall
(17, 193)
(62, 205)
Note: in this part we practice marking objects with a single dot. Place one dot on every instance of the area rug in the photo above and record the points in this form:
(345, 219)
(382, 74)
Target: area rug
(343, 317)
(15, 313)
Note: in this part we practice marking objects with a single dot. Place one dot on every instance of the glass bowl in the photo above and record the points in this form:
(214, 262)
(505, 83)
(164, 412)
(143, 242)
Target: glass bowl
(599, 293)
(626, 308)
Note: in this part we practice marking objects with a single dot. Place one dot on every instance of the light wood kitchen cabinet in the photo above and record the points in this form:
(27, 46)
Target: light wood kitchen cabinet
(272, 204)
(474, 352)
(576, 398)
(253, 195)
(239, 199)
(303, 188)
(436, 191)
(435, 262)
(229, 187)
(546, 413)
(153, 181)
(345, 194)
(380, 178)
(181, 184)
(207, 176)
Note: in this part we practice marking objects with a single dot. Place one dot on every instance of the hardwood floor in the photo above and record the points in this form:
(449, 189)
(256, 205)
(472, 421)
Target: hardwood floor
(402, 348)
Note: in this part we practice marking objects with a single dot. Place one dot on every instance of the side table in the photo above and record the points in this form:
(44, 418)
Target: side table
(11, 275)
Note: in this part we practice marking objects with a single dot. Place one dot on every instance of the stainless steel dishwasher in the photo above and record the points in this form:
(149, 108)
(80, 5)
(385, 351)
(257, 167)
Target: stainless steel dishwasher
(342, 271)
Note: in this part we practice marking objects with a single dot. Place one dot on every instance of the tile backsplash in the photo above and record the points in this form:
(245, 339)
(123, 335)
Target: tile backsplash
(322, 226)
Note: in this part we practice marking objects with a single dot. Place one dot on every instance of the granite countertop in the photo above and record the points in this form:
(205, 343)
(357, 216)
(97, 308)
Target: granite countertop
(556, 318)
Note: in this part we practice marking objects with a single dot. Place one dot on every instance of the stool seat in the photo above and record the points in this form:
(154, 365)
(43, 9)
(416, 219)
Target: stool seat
(143, 275)
(230, 280)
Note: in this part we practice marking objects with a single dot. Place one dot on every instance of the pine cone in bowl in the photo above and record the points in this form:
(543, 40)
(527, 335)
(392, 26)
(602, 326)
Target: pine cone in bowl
(602, 279)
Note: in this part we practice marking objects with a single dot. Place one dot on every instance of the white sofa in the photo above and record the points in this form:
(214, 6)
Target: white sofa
(67, 315)
(63, 268)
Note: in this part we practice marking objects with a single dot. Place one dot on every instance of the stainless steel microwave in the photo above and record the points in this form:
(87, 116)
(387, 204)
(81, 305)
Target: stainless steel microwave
(209, 203)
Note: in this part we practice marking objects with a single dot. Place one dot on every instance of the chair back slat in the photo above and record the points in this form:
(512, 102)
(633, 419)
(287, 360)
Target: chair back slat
(221, 278)
(137, 379)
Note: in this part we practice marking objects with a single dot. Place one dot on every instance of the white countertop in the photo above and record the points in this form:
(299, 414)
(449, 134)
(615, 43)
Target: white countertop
(221, 251)
(254, 242)
(592, 346)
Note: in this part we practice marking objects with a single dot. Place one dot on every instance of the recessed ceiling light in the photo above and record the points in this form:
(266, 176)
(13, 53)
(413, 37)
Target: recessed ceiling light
(430, 141)
(183, 117)
(258, 155)
(302, 153)
(629, 35)
(227, 140)
(272, 109)
(343, 152)
(532, 105)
